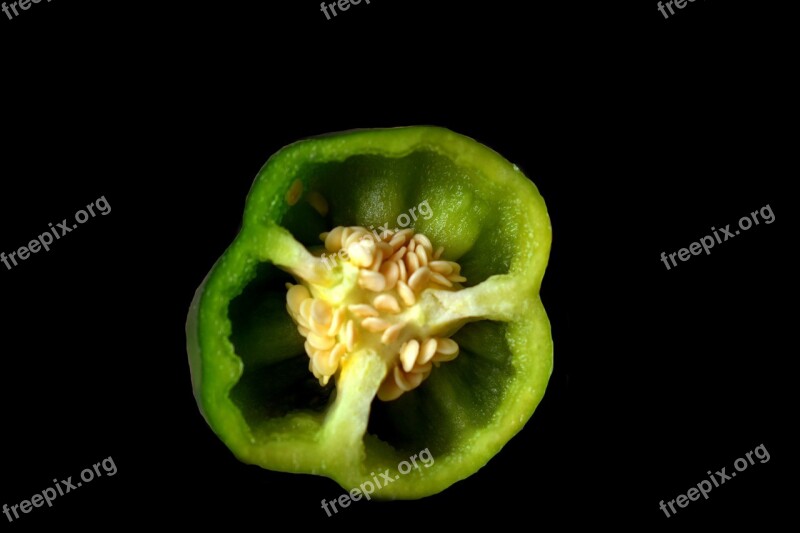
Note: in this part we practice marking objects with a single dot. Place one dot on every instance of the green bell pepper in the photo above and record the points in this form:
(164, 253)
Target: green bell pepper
(332, 338)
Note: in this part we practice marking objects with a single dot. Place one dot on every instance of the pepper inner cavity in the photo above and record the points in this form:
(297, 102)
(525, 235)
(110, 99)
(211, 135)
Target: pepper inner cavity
(376, 306)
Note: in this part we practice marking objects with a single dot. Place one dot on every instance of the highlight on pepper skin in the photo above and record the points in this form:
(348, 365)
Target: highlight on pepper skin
(329, 340)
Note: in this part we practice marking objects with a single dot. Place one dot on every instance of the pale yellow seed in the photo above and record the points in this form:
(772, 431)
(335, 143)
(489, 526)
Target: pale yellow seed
(408, 354)
(333, 240)
(441, 280)
(422, 369)
(442, 267)
(446, 346)
(440, 358)
(336, 322)
(320, 342)
(295, 297)
(402, 272)
(324, 380)
(391, 272)
(419, 279)
(391, 334)
(456, 279)
(389, 390)
(446, 350)
(319, 329)
(356, 235)
(338, 351)
(422, 255)
(350, 335)
(318, 202)
(406, 382)
(425, 242)
(386, 302)
(316, 363)
(346, 232)
(303, 314)
(406, 233)
(321, 313)
(406, 294)
(324, 363)
(376, 263)
(439, 252)
(294, 192)
(332, 362)
(397, 241)
(411, 245)
(399, 379)
(305, 309)
(374, 325)
(309, 349)
(398, 255)
(368, 243)
(303, 331)
(363, 310)
(412, 262)
(385, 248)
(360, 254)
(456, 267)
(427, 351)
(372, 281)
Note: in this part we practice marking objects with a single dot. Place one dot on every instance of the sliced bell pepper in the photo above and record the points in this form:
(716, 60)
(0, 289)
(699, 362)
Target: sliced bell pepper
(381, 298)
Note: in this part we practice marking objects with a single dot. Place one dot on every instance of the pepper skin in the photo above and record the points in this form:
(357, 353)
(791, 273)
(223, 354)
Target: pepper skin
(288, 389)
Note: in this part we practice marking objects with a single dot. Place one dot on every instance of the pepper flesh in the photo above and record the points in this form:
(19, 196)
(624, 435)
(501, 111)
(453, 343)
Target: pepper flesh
(489, 218)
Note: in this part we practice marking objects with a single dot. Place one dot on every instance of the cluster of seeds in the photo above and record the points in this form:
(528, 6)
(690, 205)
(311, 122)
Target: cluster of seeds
(397, 268)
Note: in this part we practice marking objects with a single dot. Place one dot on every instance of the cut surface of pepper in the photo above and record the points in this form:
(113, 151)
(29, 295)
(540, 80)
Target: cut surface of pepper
(327, 341)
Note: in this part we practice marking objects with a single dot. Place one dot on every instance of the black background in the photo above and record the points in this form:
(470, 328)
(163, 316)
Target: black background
(641, 133)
